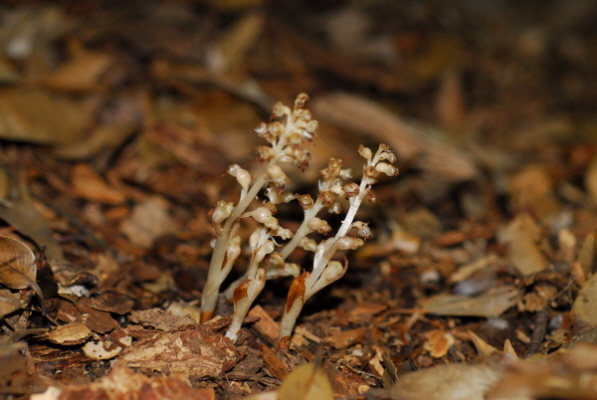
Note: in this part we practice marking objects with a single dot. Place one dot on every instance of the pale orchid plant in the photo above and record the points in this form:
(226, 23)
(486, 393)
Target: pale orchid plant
(288, 136)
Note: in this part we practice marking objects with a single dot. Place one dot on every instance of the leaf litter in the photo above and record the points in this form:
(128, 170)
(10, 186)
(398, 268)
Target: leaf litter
(117, 127)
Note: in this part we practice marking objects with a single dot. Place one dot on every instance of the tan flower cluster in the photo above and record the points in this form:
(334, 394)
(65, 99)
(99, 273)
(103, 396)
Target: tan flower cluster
(288, 136)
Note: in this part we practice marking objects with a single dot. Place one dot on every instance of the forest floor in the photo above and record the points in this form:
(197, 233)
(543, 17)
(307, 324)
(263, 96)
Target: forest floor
(118, 122)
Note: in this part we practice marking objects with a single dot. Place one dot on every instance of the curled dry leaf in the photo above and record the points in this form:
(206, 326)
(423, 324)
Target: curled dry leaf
(309, 381)
(521, 236)
(446, 382)
(17, 264)
(583, 309)
(490, 304)
(70, 334)
(9, 302)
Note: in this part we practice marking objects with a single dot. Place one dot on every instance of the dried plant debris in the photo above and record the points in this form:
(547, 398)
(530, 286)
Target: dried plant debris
(195, 353)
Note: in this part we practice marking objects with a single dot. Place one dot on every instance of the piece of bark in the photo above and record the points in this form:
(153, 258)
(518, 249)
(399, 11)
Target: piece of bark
(277, 367)
(266, 326)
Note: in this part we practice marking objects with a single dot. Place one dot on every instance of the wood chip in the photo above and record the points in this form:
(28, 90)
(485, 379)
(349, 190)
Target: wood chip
(346, 339)
(266, 326)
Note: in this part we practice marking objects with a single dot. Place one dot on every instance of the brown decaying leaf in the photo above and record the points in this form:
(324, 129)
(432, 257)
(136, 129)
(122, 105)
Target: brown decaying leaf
(446, 382)
(9, 302)
(17, 264)
(148, 221)
(521, 236)
(20, 211)
(583, 310)
(411, 143)
(89, 185)
(162, 320)
(82, 72)
(490, 304)
(34, 116)
(569, 374)
(70, 334)
(123, 383)
(191, 353)
(306, 382)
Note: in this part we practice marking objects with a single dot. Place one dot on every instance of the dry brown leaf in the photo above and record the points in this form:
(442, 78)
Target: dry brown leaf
(82, 72)
(446, 382)
(107, 136)
(346, 339)
(21, 212)
(30, 115)
(521, 236)
(490, 304)
(89, 185)
(438, 342)
(569, 374)
(16, 373)
(410, 142)
(586, 255)
(70, 334)
(583, 310)
(17, 264)
(162, 320)
(532, 190)
(148, 221)
(123, 383)
(191, 353)
(9, 302)
(306, 382)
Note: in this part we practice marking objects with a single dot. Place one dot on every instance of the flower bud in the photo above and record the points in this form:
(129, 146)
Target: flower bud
(280, 110)
(362, 229)
(300, 101)
(222, 211)
(332, 272)
(277, 176)
(242, 175)
(305, 201)
(365, 152)
(327, 197)
(261, 214)
(335, 208)
(276, 129)
(312, 127)
(264, 153)
(386, 168)
(349, 243)
(319, 225)
(350, 190)
(233, 248)
(308, 244)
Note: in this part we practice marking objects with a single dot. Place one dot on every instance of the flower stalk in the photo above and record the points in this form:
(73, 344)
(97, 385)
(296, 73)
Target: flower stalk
(288, 135)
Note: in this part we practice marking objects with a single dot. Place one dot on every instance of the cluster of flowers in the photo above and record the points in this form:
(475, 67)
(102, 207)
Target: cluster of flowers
(288, 136)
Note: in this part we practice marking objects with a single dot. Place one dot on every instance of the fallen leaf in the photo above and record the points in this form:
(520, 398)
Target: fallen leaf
(192, 353)
(521, 236)
(70, 334)
(123, 383)
(17, 264)
(583, 309)
(148, 221)
(446, 382)
(81, 72)
(20, 212)
(88, 185)
(490, 304)
(31, 115)
(306, 382)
